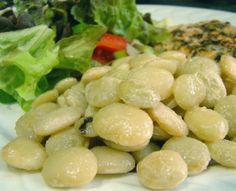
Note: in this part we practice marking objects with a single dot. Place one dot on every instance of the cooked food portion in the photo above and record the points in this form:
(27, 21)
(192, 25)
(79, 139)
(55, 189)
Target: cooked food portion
(194, 152)
(162, 170)
(117, 118)
(208, 38)
(109, 160)
(223, 152)
(73, 167)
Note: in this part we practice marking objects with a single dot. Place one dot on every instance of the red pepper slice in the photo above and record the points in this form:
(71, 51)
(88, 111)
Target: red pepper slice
(105, 48)
(112, 42)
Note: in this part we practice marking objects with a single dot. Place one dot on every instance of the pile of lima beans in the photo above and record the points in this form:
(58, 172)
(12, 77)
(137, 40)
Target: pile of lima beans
(164, 117)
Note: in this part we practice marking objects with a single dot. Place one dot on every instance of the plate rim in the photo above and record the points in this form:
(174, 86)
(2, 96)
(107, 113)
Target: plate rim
(186, 7)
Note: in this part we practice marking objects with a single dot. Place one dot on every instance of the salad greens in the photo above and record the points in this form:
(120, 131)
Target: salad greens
(43, 41)
(122, 17)
(76, 51)
(118, 16)
(26, 56)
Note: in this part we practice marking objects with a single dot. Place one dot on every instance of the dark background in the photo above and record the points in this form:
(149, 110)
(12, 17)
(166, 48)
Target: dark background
(227, 5)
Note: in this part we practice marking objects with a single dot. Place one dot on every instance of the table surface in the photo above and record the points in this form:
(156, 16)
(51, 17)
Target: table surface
(227, 5)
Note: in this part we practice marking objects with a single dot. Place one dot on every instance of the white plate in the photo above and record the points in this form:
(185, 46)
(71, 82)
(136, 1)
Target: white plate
(182, 15)
(213, 179)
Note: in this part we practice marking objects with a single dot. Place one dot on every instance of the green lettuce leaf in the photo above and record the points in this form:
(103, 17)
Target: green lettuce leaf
(76, 51)
(25, 57)
(122, 17)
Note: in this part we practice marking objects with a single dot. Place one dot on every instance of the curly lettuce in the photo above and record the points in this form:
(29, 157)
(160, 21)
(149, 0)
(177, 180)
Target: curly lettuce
(25, 57)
